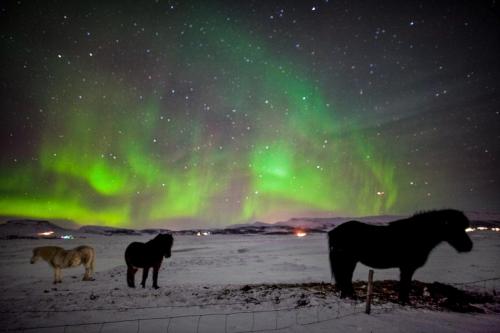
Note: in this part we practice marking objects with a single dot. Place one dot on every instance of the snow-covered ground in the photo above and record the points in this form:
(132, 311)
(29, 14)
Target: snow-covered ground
(227, 283)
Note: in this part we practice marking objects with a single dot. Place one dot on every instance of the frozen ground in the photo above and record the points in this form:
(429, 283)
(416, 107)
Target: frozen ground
(204, 288)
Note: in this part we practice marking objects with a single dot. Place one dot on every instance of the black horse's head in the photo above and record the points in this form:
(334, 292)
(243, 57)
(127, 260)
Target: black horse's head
(453, 224)
(166, 241)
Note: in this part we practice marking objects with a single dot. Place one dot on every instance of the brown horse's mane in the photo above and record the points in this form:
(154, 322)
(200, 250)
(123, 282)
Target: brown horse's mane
(47, 252)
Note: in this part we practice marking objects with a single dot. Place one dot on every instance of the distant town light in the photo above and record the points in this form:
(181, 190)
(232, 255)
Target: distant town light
(67, 237)
(300, 233)
(46, 233)
(496, 229)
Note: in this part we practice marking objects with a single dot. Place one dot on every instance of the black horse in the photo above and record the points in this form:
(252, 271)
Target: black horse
(147, 255)
(405, 244)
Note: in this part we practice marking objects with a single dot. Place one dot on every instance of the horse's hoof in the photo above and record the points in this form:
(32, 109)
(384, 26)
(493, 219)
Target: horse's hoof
(156, 287)
(345, 295)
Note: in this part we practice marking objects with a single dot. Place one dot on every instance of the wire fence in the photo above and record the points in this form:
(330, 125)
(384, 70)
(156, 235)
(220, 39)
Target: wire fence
(491, 285)
(215, 318)
(244, 321)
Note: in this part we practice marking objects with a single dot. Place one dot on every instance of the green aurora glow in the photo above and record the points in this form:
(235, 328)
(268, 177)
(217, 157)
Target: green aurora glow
(269, 140)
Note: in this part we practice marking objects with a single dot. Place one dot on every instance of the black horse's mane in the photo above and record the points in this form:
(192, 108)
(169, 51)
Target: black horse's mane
(432, 212)
(441, 214)
(159, 238)
(427, 217)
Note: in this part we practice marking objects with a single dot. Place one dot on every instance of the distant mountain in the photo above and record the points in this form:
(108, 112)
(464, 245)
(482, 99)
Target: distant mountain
(484, 219)
(320, 225)
(60, 222)
(108, 231)
(257, 224)
(323, 224)
(26, 228)
(154, 231)
(35, 229)
(245, 228)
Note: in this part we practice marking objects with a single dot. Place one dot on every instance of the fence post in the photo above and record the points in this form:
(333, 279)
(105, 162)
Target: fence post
(369, 292)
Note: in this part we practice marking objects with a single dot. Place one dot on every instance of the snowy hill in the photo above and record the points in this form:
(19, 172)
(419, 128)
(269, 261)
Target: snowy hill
(25, 228)
(328, 223)
(480, 219)
(108, 231)
(324, 224)
(154, 231)
(315, 224)
(31, 229)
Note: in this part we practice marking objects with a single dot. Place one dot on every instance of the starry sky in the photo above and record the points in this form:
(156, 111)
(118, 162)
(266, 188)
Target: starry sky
(208, 113)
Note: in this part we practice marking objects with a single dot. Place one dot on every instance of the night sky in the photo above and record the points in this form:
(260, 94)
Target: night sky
(183, 113)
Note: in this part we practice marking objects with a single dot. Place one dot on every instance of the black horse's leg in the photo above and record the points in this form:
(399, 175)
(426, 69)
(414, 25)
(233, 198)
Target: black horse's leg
(337, 271)
(349, 266)
(406, 274)
(156, 268)
(145, 272)
(342, 268)
(131, 276)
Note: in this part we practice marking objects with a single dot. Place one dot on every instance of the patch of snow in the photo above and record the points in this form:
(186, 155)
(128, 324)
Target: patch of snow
(204, 288)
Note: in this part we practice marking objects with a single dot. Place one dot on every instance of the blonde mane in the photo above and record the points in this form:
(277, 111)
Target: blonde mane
(59, 258)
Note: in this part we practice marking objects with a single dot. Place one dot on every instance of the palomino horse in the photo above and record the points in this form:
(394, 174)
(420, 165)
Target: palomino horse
(59, 258)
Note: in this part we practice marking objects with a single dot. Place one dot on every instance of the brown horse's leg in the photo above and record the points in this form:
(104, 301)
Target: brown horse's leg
(57, 275)
(406, 274)
(92, 264)
(89, 267)
(131, 276)
(88, 272)
(145, 272)
(156, 268)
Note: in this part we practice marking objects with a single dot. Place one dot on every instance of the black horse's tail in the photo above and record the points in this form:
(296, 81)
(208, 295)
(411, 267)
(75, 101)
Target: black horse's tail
(331, 250)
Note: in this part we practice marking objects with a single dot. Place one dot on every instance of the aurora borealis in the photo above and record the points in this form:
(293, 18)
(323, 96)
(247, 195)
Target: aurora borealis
(193, 113)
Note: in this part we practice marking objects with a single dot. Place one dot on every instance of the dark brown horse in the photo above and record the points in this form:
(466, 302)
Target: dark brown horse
(404, 244)
(147, 255)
